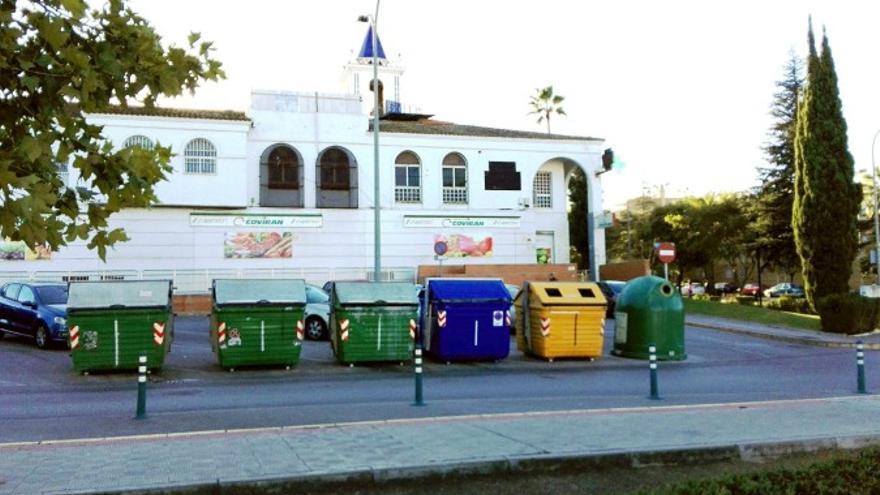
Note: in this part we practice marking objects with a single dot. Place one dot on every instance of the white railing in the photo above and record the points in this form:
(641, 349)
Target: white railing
(194, 281)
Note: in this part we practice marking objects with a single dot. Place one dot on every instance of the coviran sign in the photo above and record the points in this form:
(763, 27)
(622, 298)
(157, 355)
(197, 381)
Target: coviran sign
(256, 221)
(460, 222)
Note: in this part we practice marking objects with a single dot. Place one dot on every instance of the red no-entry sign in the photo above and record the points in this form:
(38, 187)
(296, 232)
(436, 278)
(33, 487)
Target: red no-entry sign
(666, 252)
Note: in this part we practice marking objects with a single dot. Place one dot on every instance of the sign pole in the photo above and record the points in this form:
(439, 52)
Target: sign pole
(666, 271)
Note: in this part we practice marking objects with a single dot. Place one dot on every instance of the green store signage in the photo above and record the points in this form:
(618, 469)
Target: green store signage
(460, 222)
(255, 221)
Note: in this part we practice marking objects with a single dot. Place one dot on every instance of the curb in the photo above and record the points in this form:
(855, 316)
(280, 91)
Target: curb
(741, 452)
(870, 346)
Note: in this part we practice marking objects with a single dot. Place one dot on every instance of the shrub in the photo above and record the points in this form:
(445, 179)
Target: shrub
(789, 303)
(848, 313)
(745, 300)
(701, 297)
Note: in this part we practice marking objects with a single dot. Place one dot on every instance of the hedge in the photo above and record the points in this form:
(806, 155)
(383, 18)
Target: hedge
(848, 313)
(845, 476)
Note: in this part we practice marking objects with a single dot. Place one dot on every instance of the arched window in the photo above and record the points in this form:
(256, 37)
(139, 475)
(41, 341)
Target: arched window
(200, 157)
(283, 169)
(337, 179)
(454, 179)
(138, 140)
(542, 190)
(334, 170)
(407, 178)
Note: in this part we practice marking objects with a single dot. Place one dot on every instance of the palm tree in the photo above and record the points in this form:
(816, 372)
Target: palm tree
(546, 103)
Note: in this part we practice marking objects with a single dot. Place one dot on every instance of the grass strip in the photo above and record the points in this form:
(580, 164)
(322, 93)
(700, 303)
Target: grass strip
(752, 314)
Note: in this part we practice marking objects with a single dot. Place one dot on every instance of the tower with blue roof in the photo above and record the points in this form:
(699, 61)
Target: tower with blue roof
(359, 77)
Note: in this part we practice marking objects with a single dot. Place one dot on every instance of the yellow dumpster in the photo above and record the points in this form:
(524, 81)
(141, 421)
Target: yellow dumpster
(560, 319)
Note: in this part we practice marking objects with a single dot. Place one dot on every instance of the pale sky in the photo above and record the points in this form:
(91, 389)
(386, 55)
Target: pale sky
(680, 89)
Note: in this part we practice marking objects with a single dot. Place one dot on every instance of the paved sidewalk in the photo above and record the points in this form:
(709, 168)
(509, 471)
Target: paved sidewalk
(784, 334)
(410, 448)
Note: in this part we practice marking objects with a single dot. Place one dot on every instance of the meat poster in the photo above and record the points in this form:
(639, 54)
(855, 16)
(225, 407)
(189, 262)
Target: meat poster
(464, 246)
(258, 245)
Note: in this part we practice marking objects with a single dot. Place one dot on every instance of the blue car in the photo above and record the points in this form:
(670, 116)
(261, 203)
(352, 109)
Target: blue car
(37, 310)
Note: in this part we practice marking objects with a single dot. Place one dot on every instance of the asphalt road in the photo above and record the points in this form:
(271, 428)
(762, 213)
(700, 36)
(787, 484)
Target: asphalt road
(42, 398)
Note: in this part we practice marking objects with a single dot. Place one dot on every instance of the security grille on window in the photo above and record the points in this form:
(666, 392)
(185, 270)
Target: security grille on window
(283, 169)
(138, 140)
(543, 191)
(200, 157)
(335, 173)
(454, 179)
(407, 178)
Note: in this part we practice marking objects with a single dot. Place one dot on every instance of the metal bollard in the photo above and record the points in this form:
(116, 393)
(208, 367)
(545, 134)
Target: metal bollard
(652, 357)
(417, 362)
(142, 388)
(860, 365)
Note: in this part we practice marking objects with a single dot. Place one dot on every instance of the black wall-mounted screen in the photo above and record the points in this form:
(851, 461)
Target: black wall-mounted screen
(502, 176)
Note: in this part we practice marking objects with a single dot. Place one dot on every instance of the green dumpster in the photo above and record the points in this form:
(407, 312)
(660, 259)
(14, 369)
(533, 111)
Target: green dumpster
(373, 321)
(649, 311)
(257, 321)
(112, 323)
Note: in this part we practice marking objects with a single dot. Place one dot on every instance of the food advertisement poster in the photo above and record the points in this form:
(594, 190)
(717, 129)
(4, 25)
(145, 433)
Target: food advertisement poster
(465, 246)
(18, 251)
(258, 245)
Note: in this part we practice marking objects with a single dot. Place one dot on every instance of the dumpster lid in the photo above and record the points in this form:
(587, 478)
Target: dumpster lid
(395, 293)
(468, 290)
(568, 293)
(259, 291)
(112, 294)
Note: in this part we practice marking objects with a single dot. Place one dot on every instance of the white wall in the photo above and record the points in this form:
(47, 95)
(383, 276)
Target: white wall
(162, 237)
(228, 137)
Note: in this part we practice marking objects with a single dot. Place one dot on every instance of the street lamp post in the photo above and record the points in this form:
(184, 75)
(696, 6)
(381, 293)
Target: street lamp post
(377, 249)
(876, 218)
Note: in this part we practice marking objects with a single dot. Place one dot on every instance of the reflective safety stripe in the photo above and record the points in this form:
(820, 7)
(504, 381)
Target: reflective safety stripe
(441, 319)
(343, 325)
(412, 329)
(142, 379)
(74, 337)
(545, 327)
(653, 366)
(300, 330)
(418, 369)
(221, 333)
(158, 333)
(142, 369)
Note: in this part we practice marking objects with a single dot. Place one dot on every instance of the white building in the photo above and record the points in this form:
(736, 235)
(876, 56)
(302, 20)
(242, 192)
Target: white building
(288, 186)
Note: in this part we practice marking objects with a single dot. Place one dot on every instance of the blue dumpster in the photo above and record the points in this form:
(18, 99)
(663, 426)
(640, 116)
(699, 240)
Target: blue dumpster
(467, 319)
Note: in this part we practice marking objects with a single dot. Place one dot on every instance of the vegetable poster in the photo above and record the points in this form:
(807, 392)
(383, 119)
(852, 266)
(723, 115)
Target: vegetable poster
(258, 245)
(464, 246)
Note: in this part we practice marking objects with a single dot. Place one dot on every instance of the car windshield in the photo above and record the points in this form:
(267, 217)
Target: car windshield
(316, 295)
(53, 294)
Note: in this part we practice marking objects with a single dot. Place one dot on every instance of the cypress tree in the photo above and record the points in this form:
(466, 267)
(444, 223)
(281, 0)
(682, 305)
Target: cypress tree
(577, 219)
(826, 200)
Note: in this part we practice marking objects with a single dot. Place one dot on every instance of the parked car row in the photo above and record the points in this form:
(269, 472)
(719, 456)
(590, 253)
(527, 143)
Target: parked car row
(722, 288)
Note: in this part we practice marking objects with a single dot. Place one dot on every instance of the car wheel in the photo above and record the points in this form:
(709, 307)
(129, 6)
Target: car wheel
(316, 329)
(41, 336)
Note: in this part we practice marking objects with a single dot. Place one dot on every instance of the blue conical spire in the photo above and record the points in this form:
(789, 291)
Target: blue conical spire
(367, 48)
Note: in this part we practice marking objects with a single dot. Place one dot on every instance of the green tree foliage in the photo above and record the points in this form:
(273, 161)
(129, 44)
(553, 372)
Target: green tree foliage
(59, 61)
(775, 195)
(826, 198)
(706, 231)
(545, 104)
(577, 219)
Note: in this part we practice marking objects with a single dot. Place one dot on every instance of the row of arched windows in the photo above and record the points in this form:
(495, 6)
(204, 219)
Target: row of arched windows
(199, 155)
(281, 177)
